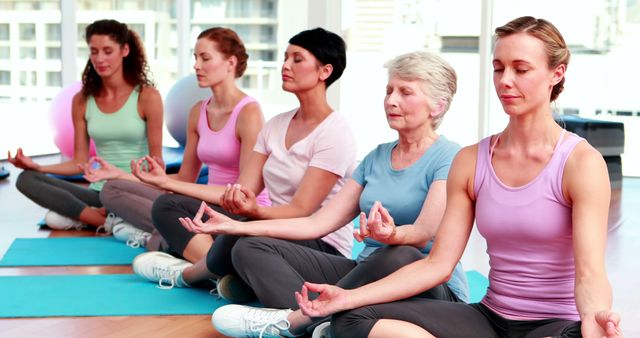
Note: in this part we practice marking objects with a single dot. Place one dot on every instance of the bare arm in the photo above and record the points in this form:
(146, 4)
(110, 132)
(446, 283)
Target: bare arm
(340, 210)
(449, 245)
(248, 126)
(150, 107)
(314, 188)
(586, 186)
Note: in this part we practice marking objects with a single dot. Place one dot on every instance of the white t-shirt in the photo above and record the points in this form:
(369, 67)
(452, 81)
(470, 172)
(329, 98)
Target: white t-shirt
(331, 146)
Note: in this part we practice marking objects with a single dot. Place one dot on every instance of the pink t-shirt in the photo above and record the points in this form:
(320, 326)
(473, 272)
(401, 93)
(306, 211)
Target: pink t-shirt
(331, 146)
(528, 230)
(220, 150)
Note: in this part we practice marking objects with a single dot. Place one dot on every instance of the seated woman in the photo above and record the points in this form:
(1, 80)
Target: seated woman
(540, 197)
(418, 94)
(221, 133)
(119, 108)
(302, 156)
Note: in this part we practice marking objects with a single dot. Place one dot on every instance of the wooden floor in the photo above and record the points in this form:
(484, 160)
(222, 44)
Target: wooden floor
(18, 216)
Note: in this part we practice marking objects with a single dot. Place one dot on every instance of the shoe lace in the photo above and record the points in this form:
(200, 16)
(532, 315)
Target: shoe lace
(108, 225)
(214, 292)
(167, 276)
(266, 322)
(138, 239)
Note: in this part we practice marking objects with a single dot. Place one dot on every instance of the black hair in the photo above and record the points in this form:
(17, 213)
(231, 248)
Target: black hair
(328, 47)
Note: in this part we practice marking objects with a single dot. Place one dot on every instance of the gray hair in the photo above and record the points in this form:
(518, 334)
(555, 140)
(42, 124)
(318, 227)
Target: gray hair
(438, 77)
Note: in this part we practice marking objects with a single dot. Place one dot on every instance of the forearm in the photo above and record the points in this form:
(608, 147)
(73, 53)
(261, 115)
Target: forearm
(592, 294)
(208, 193)
(406, 282)
(411, 235)
(301, 228)
(65, 168)
(280, 212)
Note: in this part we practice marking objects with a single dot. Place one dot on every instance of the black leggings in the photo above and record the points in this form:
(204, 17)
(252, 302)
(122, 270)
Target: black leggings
(275, 269)
(449, 320)
(66, 198)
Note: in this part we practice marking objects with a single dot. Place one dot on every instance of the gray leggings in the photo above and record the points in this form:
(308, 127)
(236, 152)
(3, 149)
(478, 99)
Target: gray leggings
(132, 201)
(449, 320)
(66, 198)
(275, 269)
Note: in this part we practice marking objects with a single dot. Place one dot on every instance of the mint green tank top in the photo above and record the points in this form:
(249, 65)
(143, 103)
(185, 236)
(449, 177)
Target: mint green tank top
(120, 136)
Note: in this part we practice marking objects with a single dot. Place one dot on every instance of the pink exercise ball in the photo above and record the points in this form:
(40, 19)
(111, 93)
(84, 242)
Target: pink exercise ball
(60, 116)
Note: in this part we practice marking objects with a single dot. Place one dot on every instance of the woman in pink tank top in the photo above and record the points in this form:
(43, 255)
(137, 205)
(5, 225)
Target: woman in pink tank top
(540, 197)
(221, 133)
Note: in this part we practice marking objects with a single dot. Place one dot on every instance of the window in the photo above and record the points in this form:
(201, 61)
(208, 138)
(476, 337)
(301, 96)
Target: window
(53, 31)
(27, 31)
(28, 53)
(54, 79)
(54, 53)
(5, 77)
(4, 32)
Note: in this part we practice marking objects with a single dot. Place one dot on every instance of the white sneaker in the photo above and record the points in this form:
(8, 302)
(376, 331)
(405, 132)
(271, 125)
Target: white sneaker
(131, 235)
(245, 321)
(161, 267)
(58, 222)
(322, 331)
(109, 223)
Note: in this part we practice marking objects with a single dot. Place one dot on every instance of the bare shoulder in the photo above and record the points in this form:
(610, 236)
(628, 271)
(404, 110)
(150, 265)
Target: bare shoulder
(78, 104)
(251, 111)
(585, 159)
(149, 94)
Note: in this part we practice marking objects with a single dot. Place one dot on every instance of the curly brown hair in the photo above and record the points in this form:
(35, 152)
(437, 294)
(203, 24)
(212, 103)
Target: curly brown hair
(135, 67)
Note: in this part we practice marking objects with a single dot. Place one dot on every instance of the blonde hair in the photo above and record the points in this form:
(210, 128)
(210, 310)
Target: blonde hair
(438, 77)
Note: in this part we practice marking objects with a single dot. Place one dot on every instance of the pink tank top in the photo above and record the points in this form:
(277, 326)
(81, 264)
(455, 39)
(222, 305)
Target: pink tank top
(528, 230)
(220, 150)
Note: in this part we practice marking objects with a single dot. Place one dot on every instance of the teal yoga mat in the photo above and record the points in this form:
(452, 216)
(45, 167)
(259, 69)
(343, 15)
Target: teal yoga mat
(68, 251)
(98, 295)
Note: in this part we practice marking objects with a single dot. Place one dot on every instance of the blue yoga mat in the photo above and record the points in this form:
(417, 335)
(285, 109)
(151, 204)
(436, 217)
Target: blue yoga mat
(68, 251)
(98, 295)
(478, 285)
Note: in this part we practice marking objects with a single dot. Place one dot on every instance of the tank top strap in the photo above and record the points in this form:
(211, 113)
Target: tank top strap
(236, 110)
(203, 121)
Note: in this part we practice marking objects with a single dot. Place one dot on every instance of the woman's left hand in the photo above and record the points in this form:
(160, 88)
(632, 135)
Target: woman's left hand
(604, 323)
(239, 200)
(380, 225)
(97, 169)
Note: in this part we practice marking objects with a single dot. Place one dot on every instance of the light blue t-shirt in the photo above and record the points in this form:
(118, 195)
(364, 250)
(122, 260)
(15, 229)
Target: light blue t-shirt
(402, 192)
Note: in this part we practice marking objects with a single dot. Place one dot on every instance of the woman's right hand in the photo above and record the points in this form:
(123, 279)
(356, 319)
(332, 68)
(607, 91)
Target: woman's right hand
(379, 226)
(22, 161)
(149, 171)
(331, 299)
(97, 169)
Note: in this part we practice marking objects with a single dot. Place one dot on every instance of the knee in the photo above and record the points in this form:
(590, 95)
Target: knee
(109, 192)
(246, 249)
(353, 323)
(159, 208)
(26, 179)
(402, 254)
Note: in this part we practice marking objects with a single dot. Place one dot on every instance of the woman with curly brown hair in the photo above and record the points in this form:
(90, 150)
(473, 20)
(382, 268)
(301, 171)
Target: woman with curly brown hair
(118, 108)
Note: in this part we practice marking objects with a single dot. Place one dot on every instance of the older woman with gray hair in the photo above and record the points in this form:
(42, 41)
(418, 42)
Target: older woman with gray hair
(398, 191)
